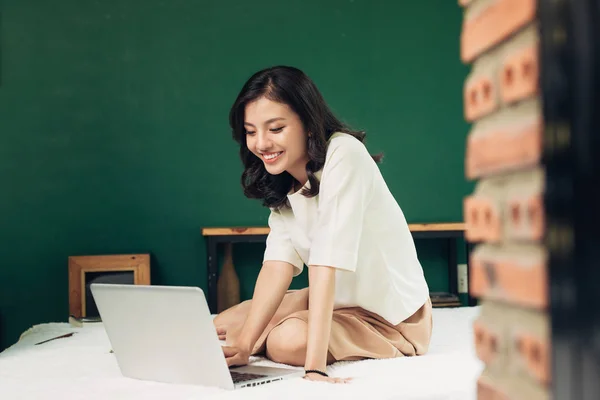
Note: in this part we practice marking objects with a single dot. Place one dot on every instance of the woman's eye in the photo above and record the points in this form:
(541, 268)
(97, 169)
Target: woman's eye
(249, 132)
(277, 129)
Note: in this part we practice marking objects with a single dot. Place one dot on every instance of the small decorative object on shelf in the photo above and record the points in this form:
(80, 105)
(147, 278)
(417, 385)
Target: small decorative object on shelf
(443, 299)
(228, 284)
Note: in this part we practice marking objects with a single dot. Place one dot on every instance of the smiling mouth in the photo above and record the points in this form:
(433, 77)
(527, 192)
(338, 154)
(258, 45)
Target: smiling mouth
(271, 157)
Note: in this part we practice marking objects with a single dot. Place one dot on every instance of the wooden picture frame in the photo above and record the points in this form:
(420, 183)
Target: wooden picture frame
(79, 266)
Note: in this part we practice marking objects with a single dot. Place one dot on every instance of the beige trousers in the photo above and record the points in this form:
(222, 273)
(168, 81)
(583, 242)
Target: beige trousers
(355, 333)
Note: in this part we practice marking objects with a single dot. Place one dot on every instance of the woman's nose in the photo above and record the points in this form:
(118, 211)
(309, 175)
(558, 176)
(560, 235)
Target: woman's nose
(263, 143)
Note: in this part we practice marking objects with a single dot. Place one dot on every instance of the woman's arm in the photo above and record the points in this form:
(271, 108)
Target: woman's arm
(320, 312)
(273, 281)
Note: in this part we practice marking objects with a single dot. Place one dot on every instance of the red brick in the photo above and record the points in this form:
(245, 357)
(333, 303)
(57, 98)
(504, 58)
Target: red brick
(518, 277)
(519, 74)
(482, 219)
(526, 217)
(480, 96)
(488, 22)
(507, 145)
(534, 355)
(487, 390)
(487, 342)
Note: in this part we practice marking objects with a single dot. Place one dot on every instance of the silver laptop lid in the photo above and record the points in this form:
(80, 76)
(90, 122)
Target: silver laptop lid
(162, 333)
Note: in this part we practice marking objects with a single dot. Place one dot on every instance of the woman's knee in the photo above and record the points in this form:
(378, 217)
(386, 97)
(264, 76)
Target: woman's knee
(234, 315)
(286, 343)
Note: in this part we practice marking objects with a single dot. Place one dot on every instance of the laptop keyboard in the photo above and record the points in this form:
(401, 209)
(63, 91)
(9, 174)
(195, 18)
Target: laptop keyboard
(243, 377)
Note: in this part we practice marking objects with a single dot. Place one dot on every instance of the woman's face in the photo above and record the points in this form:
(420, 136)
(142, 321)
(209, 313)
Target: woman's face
(276, 135)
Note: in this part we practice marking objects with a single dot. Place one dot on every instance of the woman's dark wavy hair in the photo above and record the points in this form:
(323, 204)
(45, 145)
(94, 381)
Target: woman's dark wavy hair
(290, 86)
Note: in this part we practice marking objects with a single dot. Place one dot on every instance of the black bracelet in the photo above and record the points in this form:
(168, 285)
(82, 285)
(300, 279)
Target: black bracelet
(316, 371)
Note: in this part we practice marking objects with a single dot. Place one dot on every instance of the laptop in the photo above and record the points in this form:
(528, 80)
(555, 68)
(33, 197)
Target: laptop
(166, 334)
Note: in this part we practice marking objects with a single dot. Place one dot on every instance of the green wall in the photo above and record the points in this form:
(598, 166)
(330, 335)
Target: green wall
(114, 135)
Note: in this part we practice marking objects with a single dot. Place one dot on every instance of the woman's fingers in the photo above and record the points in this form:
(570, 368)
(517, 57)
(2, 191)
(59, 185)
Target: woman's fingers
(229, 351)
(222, 332)
(234, 356)
(342, 380)
(319, 378)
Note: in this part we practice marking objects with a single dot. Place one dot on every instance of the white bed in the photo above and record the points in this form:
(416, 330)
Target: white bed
(82, 367)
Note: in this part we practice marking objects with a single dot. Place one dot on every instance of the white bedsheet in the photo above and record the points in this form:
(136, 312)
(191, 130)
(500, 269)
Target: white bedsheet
(82, 367)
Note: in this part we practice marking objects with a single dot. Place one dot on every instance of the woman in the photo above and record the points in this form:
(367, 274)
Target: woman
(332, 211)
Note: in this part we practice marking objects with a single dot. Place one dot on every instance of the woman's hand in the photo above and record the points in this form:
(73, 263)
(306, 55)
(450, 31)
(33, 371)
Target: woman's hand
(311, 376)
(222, 332)
(236, 356)
(272, 283)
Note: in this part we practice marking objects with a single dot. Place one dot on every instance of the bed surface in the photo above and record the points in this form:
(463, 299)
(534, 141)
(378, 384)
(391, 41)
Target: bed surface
(82, 367)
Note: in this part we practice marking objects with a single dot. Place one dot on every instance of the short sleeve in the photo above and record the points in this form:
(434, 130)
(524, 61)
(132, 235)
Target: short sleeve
(279, 245)
(344, 193)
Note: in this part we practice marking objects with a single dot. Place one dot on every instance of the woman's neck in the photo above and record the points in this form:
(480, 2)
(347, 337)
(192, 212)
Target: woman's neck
(300, 176)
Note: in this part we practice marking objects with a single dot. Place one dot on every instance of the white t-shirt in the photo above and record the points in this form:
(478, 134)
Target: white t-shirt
(354, 225)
